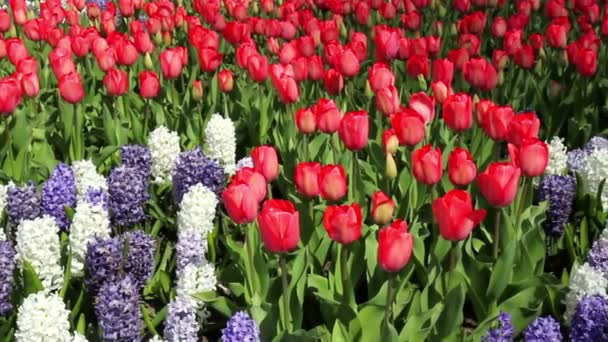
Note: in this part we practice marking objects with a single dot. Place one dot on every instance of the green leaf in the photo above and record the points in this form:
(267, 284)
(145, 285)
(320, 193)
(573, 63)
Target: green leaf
(81, 328)
(31, 281)
(339, 333)
(503, 270)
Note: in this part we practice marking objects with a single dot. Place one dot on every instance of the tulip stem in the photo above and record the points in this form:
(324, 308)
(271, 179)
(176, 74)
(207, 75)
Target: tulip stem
(496, 232)
(333, 148)
(286, 315)
(453, 256)
(388, 315)
(251, 260)
(306, 150)
(349, 296)
(354, 175)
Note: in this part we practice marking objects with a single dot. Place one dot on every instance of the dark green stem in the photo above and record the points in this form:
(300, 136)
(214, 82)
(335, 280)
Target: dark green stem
(286, 315)
(453, 256)
(250, 258)
(349, 296)
(354, 177)
(496, 233)
(388, 312)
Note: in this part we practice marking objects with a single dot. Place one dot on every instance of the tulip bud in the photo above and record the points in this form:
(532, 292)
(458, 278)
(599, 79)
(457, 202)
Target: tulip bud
(197, 90)
(390, 141)
(442, 11)
(391, 167)
(148, 61)
(368, 90)
(225, 80)
(158, 38)
(501, 77)
(422, 82)
(167, 39)
(382, 208)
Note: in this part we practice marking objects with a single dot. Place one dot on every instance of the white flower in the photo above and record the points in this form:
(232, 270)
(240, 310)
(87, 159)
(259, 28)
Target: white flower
(220, 141)
(90, 221)
(79, 338)
(605, 233)
(558, 159)
(2, 236)
(87, 177)
(584, 281)
(3, 196)
(197, 210)
(595, 171)
(38, 244)
(195, 279)
(156, 338)
(164, 148)
(244, 162)
(43, 318)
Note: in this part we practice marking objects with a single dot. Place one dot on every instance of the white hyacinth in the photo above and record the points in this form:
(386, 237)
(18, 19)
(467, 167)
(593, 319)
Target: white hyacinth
(584, 281)
(43, 318)
(558, 158)
(3, 196)
(220, 142)
(87, 177)
(2, 236)
(243, 163)
(164, 148)
(79, 338)
(156, 338)
(195, 279)
(595, 171)
(90, 221)
(38, 244)
(197, 210)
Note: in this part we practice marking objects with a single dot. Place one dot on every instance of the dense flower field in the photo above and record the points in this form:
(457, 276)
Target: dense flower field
(303, 170)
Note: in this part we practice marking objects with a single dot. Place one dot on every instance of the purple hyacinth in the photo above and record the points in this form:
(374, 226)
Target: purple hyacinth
(137, 157)
(503, 332)
(97, 196)
(192, 167)
(576, 160)
(543, 329)
(23, 203)
(7, 266)
(117, 308)
(598, 256)
(241, 328)
(595, 143)
(181, 324)
(103, 263)
(190, 249)
(590, 320)
(59, 191)
(128, 191)
(139, 263)
(559, 191)
(100, 3)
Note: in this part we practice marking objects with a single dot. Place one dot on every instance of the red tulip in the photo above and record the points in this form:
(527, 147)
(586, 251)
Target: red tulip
(499, 182)
(197, 90)
(362, 13)
(390, 142)
(496, 122)
(522, 126)
(586, 62)
(126, 52)
(418, 65)
(480, 74)
(332, 182)
(470, 43)
(557, 35)
(127, 7)
(424, 105)
(282, 78)
(149, 85)
(143, 43)
(532, 156)
(457, 111)
(333, 81)
(30, 83)
(306, 121)
(380, 76)
(409, 127)
(382, 208)
(395, 246)
(171, 63)
(70, 88)
(266, 162)
(240, 203)
(461, 167)
(5, 21)
(27, 65)
(61, 62)
(116, 82)
(387, 100)
(386, 41)
(441, 91)
(209, 59)
(225, 80)
(288, 52)
(513, 41)
(255, 181)
(257, 67)
(279, 225)
(458, 57)
(443, 70)
(354, 130)
(348, 63)
(343, 222)
(500, 59)
(455, 215)
(10, 95)
(306, 178)
(481, 110)
(499, 27)
(525, 57)
(427, 165)
(328, 115)
(315, 68)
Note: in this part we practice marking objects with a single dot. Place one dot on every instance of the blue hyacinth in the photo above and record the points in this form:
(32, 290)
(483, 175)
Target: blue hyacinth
(117, 308)
(192, 167)
(190, 249)
(128, 191)
(241, 328)
(139, 263)
(543, 329)
(559, 191)
(137, 157)
(181, 324)
(590, 320)
(23, 203)
(503, 332)
(58, 192)
(103, 262)
(598, 256)
(7, 265)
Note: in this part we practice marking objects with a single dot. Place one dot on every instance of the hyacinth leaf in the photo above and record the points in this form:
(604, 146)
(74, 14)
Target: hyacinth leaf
(584, 236)
(31, 281)
(339, 333)
(147, 320)
(160, 316)
(81, 327)
(524, 306)
(67, 275)
(502, 273)
(75, 312)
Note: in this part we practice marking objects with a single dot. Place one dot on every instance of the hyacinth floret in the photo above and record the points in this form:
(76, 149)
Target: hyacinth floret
(7, 266)
(577, 160)
(196, 279)
(584, 281)
(597, 257)
(596, 171)
(97, 196)
(128, 191)
(241, 327)
(117, 307)
(504, 332)
(558, 158)
(193, 167)
(90, 222)
(58, 192)
(181, 324)
(23, 203)
(190, 249)
(43, 317)
(220, 142)
(197, 209)
(103, 263)
(87, 177)
(244, 162)
(137, 157)
(590, 319)
(560, 191)
(3, 196)
(596, 143)
(164, 149)
(543, 329)
(139, 263)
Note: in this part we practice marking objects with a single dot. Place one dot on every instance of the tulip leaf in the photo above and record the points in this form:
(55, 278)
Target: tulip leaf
(502, 273)
(31, 281)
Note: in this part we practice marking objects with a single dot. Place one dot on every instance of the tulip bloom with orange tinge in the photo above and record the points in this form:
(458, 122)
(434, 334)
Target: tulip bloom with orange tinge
(395, 245)
(382, 208)
(70, 88)
(149, 85)
(306, 121)
(499, 183)
(253, 179)
(461, 167)
(387, 100)
(532, 156)
(266, 162)
(409, 127)
(343, 222)
(240, 203)
(455, 215)
(306, 178)
(457, 112)
(225, 80)
(116, 82)
(354, 130)
(426, 165)
(332, 182)
(279, 223)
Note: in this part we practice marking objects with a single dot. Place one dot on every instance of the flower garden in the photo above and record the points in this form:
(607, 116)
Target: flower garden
(303, 170)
